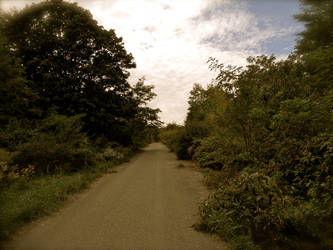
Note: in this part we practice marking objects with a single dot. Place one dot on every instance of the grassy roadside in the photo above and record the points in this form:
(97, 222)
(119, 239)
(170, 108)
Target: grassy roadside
(27, 199)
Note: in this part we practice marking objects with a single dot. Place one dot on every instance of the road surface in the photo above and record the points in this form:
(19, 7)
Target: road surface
(149, 203)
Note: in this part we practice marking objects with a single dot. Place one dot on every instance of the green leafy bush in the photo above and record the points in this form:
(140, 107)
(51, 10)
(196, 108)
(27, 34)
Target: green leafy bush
(57, 144)
(248, 204)
(178, 140)
(15, 132)
(210, 153)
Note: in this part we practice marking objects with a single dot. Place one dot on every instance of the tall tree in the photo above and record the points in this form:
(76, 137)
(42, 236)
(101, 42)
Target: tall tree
(75, 65)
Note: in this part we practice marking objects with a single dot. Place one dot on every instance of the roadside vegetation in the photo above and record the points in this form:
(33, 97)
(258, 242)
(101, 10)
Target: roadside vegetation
(264, 135)
(67, 111)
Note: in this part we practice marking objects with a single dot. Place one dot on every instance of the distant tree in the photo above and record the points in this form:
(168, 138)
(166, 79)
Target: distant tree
(318, 19)
(142, 95)
(75, 65)
(146, 119)
(196, 101)
(316, 45)
(172, 125)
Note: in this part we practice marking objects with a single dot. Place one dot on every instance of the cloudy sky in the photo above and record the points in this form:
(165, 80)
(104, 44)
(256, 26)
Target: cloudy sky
(171, 40)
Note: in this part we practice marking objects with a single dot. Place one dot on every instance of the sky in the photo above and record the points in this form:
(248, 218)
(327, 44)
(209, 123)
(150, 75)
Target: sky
(171, 40)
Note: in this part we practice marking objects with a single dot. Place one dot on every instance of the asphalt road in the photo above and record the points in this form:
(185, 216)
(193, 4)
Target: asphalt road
(149, 203)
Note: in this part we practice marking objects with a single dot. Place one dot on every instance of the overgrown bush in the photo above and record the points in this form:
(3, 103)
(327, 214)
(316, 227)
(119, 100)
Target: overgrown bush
(16, 132)
(252, 208)
(250, 203)
(57, 144)
(210, 153)
(287, 204)
(178, 140)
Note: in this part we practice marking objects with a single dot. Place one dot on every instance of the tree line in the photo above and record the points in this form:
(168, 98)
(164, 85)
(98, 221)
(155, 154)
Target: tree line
(64, 90)
(267, 130)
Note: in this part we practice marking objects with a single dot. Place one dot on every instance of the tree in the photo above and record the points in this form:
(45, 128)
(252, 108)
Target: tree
(75, 65)
(318, 19)
(16, 98)
(316, 45)
(146, 119)
(142, 95)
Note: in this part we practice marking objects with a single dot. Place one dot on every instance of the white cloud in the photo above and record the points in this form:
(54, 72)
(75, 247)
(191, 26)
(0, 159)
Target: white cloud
(171, 41)
(167, 45)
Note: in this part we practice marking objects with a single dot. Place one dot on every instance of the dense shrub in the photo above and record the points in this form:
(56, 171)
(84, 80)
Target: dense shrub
(253, 208)
(178, 140)
(210, 153)
(57, 144)
(248, 204)
(15, 132)
(216, 152)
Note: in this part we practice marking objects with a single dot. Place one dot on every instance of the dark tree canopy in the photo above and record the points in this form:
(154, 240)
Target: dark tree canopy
(75, 65)
(16, 98)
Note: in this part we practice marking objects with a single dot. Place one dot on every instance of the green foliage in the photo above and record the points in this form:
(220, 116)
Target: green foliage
(77, 67)
(146, 120)
(210, 153)
(273, 139)
(15, 133)
(71, 67)
(253, 208)
(267, 129)
(16, 98)
(57, 144)
(178, 140)
(317, 16)
(250, 202)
